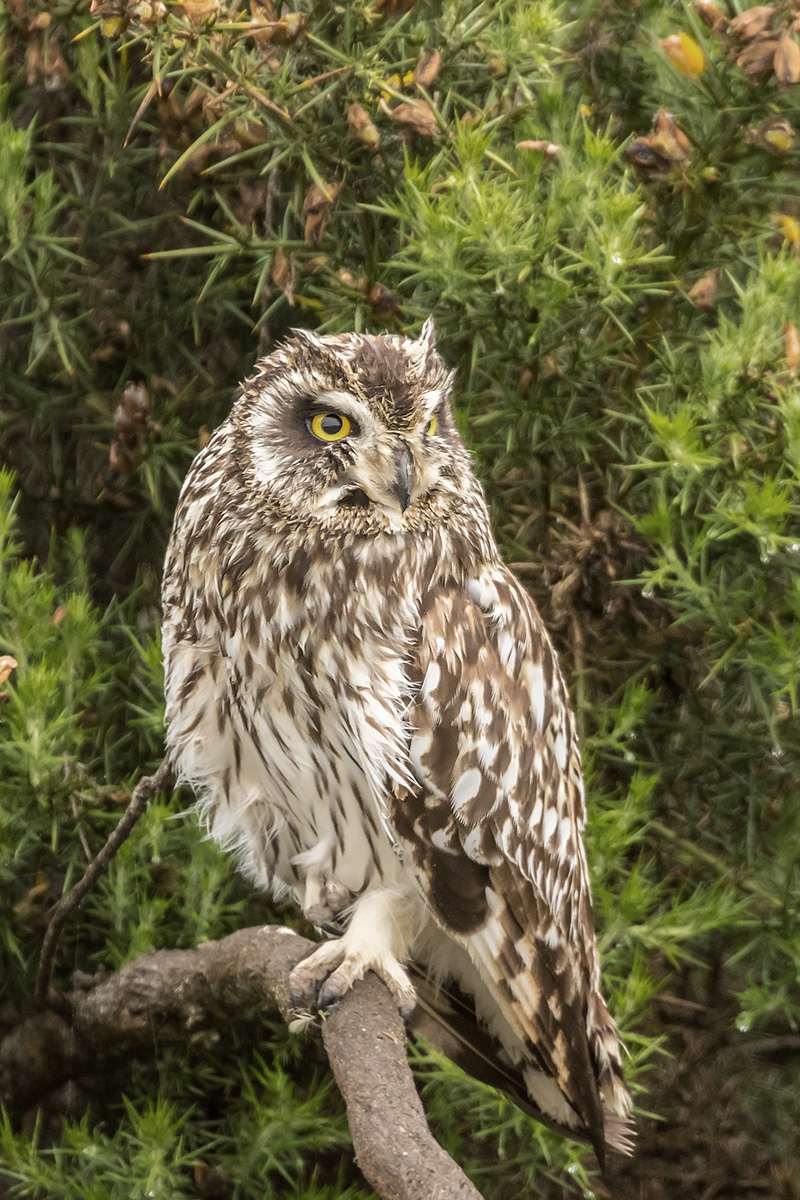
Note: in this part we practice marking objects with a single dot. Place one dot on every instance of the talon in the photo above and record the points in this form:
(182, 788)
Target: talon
(324, 976)
(327, 997)
(297, 1000)
(406, 1010)
(302, 990)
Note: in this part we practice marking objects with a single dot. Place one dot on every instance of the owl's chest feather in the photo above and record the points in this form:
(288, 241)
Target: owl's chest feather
(303, 703)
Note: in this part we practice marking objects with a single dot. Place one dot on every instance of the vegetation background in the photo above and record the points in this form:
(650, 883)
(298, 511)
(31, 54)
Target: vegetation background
(597, 200)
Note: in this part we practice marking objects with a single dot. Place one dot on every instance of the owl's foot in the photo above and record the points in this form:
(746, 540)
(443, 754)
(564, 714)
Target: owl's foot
(330, 971)
(373, 942)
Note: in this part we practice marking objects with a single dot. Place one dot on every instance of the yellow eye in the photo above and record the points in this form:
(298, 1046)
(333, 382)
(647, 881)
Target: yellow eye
(330, 427)
(432, 427)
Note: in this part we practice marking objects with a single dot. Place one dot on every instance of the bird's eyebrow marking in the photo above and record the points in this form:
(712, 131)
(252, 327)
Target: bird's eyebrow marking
(430, 403)
(340, 402)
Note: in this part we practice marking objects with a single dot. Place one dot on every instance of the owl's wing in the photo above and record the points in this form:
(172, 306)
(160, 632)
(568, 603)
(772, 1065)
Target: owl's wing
(494, 836)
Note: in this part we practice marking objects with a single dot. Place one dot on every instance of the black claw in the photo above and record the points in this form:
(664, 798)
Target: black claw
(327, 996)
(405, 1013)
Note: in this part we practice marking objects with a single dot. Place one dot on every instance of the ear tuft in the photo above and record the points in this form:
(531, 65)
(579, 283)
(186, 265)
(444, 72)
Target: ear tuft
(427, 337)
(306, 337)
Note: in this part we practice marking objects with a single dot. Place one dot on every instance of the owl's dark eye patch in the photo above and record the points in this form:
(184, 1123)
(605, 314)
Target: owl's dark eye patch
(354, 498)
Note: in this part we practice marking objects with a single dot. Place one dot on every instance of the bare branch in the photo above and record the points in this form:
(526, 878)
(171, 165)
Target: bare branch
(366, 1045)
(143, 792)
(168, 994)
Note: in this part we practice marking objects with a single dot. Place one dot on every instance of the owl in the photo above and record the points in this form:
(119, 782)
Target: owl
(372, 715)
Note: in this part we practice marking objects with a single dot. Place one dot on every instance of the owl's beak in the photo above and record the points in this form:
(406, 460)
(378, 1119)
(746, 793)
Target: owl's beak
(403, 484)
(385, 475)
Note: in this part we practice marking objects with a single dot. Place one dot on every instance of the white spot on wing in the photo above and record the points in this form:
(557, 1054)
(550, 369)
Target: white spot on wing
(564, 837)
(431, 680)
(533, 678)
(482, 593)
(505, 648)
(486, 753)
(466, 788)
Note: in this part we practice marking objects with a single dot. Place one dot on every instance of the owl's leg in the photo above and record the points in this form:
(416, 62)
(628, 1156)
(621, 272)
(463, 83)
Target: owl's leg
(377, 939)
(324, 900)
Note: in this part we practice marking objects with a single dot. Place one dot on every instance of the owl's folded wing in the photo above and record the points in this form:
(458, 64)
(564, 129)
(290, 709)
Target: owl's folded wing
(494, 836)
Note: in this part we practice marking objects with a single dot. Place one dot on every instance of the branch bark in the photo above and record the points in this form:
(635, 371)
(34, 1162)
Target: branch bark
(170, 993)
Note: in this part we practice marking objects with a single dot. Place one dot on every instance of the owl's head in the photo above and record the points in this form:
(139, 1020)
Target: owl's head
(353, 433)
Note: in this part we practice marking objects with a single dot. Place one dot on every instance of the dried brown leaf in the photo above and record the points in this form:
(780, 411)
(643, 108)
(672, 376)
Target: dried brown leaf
(786, 62)
(666, 147)
(752, 21)
(261, 26)
(427, 68)
(283, 273)
(415, 115)
(757, 58)
(315, 209)
(7, 665)
(711, 14)
(132, 428)
(199, 10)
(45, 64)
(290, 28)
(362, 127)
(704, 293)
(383, 302)
(791, 346)
(250, 202)
(318, 198)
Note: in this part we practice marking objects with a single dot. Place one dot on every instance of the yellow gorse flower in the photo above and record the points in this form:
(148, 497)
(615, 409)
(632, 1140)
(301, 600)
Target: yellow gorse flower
(684, 54)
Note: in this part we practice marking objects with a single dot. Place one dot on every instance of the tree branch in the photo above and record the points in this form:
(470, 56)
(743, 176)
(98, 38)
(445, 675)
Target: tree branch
(171, 993)
(142, 794)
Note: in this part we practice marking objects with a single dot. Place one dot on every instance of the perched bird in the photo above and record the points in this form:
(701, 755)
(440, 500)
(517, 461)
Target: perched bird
(372, 715)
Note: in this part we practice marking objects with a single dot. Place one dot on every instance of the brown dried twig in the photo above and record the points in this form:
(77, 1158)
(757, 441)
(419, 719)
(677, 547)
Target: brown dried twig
(143, 792)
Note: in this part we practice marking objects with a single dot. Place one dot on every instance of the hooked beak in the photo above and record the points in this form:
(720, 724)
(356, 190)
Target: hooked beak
(384, 476)
(403, 484)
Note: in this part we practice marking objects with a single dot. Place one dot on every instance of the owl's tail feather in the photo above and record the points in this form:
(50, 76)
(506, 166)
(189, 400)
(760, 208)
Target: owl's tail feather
(446, 1018)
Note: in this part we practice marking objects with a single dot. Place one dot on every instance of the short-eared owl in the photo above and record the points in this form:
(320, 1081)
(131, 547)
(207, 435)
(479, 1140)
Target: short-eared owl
(372, 714)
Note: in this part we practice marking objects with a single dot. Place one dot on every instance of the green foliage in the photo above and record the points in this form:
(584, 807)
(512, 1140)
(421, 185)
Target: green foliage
(48, 742)
(160, 1151)
(640, 451)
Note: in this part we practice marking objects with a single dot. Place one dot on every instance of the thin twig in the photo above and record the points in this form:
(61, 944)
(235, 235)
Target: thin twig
(73, 803)
(142, 794)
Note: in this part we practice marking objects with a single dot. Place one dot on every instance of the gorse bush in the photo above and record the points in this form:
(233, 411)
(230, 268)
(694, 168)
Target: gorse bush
(597, 203)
